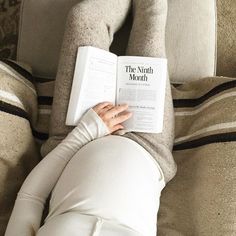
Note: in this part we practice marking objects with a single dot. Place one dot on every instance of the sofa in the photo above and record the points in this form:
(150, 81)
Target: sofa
(200, 42)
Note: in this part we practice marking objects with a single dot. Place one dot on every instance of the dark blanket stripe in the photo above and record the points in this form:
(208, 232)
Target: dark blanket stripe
(40, 135)
(27, 75)
(16, 111)
(13, 110)
(45, 100)
(42, 80)
(215, 138)
(180, 103)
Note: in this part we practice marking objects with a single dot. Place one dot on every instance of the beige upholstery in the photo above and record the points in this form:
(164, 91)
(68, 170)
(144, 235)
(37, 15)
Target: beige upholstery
(226, 59)
(40, 34)
(190, 37)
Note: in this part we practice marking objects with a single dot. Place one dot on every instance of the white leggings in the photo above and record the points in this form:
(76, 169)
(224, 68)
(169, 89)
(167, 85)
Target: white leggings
(113, 190)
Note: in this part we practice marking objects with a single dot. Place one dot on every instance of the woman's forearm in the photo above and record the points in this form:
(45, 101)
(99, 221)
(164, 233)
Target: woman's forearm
(29, 205)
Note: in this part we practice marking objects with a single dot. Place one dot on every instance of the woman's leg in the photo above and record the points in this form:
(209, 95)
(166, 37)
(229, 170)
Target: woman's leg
(148, 39)
(91, 22)
(147, 36)
(77, 21)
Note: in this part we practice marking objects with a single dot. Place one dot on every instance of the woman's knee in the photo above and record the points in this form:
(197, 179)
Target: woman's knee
(83, 13)
(85, 18)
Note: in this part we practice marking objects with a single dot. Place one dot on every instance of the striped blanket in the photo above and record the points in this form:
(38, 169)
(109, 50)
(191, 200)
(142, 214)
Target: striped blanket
(25, 104)
(200, 200)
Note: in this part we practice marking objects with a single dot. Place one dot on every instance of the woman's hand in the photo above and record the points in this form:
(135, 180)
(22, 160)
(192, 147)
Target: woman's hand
(112, 115)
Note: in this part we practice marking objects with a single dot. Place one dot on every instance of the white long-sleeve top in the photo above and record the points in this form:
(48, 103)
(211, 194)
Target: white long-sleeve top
(112, 177)
(29, 205)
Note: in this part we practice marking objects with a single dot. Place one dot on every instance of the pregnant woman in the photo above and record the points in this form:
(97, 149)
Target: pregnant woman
(100, 183)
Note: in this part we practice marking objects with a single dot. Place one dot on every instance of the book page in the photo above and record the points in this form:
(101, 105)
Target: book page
(96, 73)
(141, 84)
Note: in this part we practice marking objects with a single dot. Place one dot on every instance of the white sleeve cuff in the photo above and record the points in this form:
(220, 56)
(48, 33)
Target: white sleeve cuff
(93, 124)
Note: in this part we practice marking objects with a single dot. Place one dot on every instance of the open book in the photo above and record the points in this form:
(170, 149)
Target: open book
(138, 81)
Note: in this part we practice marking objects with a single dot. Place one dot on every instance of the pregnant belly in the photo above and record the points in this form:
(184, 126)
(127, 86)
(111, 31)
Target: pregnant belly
(112, 177)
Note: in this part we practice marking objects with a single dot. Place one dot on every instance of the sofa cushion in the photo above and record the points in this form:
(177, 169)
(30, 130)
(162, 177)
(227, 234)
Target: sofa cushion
(40, 34)
(190, 38)
(226, 58)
